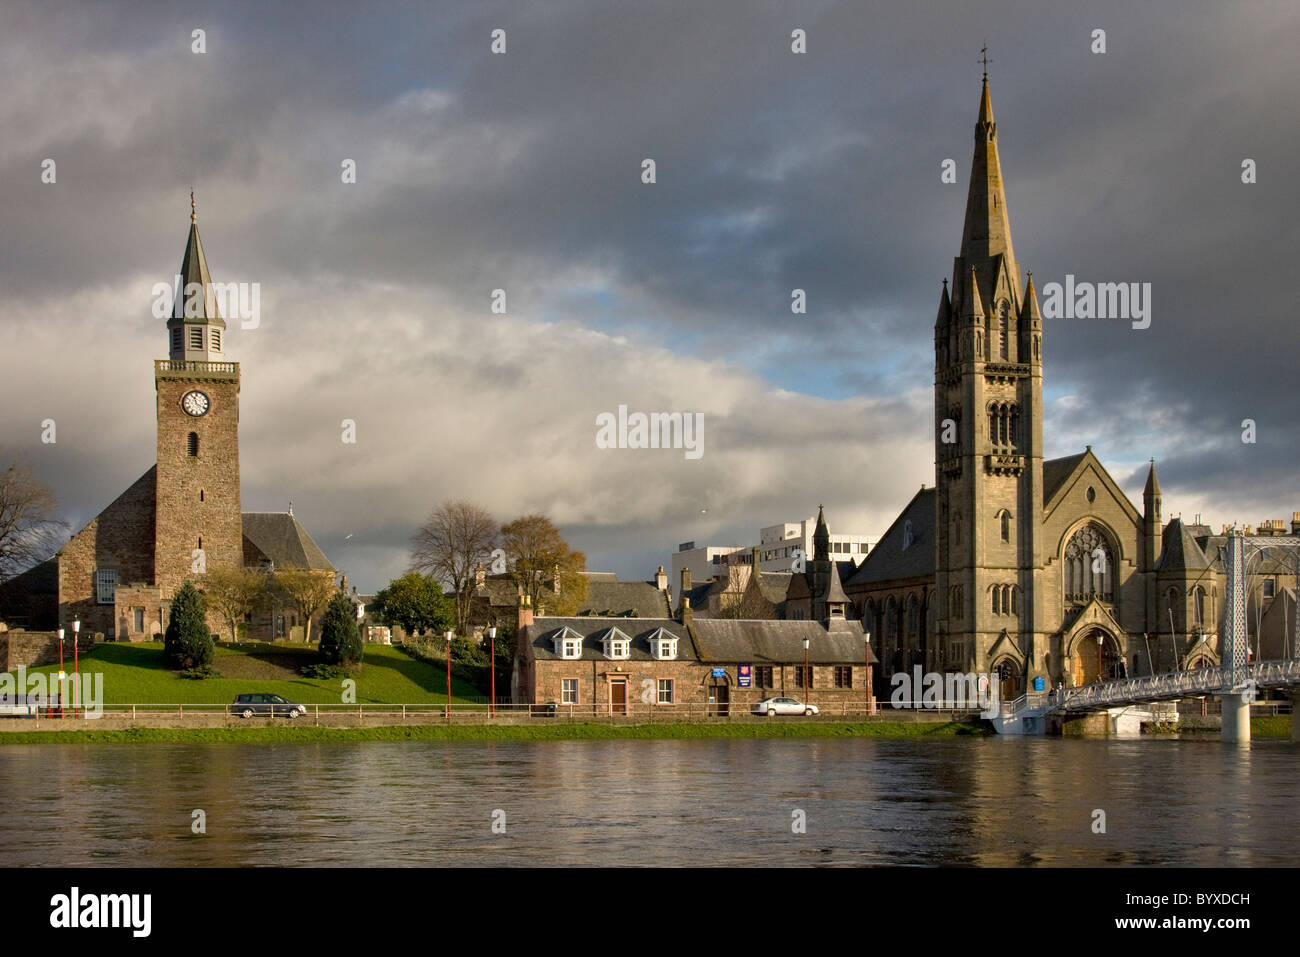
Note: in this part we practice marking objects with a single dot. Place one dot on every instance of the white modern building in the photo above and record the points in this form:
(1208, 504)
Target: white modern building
(779, 547)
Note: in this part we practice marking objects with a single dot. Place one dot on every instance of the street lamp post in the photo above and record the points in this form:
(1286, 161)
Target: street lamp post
(1101, 639)
(866, 669)
(76, 671)
(449, 675)
(807, 676)
(61, 682)
(492, 675)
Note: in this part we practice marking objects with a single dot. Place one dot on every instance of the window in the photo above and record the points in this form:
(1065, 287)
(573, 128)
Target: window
(1269, 585)
(617, 644)
(663, 645)
(137, 619)
(178, 340)
(799, 676)
(193, 445)
(1006, 525)
(665, 690)
(907, 534)
(105, 585)
(843, 676)
(763, 677)
(569, 691)
(1089, 559)
(215, 337)
(572, 648)
(196, 337)
(1199, 595)
(997, 600)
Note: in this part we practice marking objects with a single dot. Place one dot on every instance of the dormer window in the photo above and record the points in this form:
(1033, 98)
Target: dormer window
(618, 645)
(663, 645)
(568, 644)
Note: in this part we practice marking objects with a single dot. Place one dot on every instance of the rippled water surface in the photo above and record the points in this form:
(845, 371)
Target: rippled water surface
(1000, 801)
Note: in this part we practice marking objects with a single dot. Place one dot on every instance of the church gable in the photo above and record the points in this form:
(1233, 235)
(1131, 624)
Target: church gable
(1087, 488)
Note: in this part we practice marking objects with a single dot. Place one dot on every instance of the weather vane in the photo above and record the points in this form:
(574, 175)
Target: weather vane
(984, 58)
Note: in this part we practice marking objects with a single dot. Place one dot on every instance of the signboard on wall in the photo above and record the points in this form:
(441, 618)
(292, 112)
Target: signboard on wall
(744, 674)
(719, 672)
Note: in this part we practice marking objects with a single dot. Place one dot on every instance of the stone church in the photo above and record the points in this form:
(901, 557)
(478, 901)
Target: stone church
(1029, 567)
(182, 517)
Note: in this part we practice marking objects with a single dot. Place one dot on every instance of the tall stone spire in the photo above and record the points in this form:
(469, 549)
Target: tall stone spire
(987, 232)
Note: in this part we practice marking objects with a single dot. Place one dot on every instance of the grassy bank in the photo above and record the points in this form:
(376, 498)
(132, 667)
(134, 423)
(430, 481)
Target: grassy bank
(135, 674)
(547, 732)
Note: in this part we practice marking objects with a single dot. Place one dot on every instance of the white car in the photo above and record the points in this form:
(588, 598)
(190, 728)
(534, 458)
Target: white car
(775, 706)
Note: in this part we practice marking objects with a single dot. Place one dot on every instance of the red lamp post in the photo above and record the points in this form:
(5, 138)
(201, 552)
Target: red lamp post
(866, 670)
(60, 673)
(492, 675)
(449, 675)
(76, 671)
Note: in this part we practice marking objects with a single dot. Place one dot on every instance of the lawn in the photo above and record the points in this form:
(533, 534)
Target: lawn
(134, 674)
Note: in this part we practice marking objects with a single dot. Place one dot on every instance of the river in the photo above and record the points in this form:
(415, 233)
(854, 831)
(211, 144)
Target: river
(976, 801)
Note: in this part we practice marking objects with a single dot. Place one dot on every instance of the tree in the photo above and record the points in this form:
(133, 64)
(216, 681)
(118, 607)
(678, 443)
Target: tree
(537, 555)
(743, 598)
(340, 632)
(307, 590)
(415, 602)
(234, 593)
(457, 537)
(29, 532)
(187, 643)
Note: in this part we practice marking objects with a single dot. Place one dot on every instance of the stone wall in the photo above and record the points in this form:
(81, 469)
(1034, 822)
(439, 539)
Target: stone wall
(29, 649)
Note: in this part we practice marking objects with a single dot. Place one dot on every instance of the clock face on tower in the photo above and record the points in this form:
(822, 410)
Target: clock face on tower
(195, 403)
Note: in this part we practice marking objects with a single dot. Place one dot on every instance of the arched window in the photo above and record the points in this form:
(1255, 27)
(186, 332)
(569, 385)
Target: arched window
(891, 618)
(1089, 565)
(1199, 595)
(1015, 599)
(1004, 330)
(1005, 520)
(913, 615)
(997, 600)
(194, 445)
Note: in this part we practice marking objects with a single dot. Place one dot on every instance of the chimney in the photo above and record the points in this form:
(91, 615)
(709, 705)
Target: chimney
(1295, 523)
(686, 575)
(525, 614)
(480, 577)
(755, 561)
(661, 579)
(687, 616)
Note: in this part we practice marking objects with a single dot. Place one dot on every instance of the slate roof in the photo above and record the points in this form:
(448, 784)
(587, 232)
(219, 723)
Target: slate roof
(1180, 551)
(1056, 471)
(194, 269)
(889, 560)
(279, 538)
(725, 639)
(592, 630)
(624, 599)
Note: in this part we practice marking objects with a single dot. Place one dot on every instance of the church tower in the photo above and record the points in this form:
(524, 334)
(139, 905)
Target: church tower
(197, 522)
(988, 440)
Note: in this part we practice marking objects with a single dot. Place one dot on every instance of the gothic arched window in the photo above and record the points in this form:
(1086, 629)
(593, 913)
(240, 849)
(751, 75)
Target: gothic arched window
(1004, 330)
(1089, 565)
(1199, 596)
(1004, 518)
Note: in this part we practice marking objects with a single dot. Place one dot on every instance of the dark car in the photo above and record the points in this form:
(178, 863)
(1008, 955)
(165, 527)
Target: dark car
(267, 705)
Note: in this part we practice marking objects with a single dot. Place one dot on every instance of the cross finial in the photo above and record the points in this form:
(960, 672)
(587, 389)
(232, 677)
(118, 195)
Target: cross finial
(194, 216)
(984, 58)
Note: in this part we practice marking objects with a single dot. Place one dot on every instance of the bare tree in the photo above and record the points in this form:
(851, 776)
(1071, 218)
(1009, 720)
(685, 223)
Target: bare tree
(456, 537)
(29, 532)
(307, 590)
(544, 566)
(233, 593)
(743, 598)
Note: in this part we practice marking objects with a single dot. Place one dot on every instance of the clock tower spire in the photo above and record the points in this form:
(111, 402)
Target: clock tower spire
(197, 520)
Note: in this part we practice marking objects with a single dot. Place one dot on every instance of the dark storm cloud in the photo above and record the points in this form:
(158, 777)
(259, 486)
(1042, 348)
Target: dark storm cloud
(775, 171)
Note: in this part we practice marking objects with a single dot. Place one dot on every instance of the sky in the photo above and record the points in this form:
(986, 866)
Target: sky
(523, 171)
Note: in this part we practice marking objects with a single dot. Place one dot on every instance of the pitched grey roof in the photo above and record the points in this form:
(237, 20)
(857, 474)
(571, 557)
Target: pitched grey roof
(774, 585)
(723, 639)
(889, 560)
(279, 538)
(592, 630)
(1056, 471)
(624, 599)
(1180, 551)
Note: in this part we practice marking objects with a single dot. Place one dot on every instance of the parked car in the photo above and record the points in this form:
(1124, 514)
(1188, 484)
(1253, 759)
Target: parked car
(19, 706)
(547, 710)
(269, 705)
(774, 706)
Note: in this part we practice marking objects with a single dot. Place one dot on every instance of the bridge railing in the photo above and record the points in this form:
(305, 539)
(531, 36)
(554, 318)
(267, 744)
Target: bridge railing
(1182, 684)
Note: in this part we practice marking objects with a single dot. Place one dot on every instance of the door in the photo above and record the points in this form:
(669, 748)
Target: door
(719, 697)
(618, 697)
